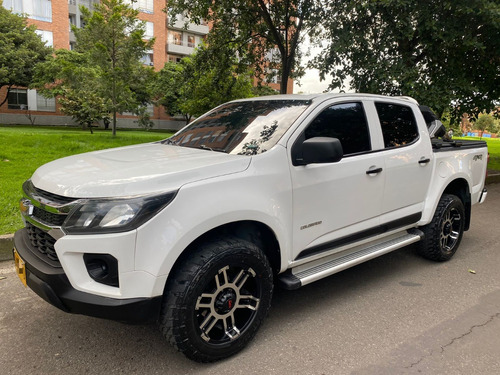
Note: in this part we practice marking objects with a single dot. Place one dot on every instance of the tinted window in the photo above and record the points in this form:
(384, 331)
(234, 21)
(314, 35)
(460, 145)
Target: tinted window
(347, 122)
(243, 128)
(398, 124)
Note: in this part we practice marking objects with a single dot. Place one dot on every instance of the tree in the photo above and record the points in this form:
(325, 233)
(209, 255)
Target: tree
(484, 122)
(265, 34)
(199, 83)
(443, 53)
(21, 49)
(113, 38)
(71, 76)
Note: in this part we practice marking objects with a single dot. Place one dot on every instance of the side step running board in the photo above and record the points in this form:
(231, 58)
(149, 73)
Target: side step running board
(294, 280)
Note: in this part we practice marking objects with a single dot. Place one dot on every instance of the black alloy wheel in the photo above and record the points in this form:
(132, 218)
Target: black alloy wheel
(216, 299)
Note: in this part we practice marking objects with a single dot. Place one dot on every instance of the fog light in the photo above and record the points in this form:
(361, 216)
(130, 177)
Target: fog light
(102, 268)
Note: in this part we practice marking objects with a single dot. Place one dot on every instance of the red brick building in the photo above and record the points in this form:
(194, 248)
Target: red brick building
(53, 19)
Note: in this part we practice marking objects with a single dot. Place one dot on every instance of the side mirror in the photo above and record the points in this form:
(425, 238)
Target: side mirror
(321, 150)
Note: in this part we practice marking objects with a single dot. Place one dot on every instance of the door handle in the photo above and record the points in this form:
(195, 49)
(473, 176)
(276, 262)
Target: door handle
(424, 161)
(374, 171)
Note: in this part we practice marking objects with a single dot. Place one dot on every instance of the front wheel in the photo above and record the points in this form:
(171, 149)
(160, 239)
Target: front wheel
(216, 299)
(444, 233)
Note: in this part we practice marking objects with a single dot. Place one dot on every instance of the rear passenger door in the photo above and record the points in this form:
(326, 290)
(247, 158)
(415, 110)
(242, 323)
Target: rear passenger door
(407, 157)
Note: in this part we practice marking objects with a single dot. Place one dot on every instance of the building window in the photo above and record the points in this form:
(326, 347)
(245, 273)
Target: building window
(18, 99)
(149, 33)
(191, 41)
(72, 20)
(16, 6)
(174, 58)
(42, 10)
(145, 6)
(46, 37)
(45, 104)
(175, 37)
(72, 46)
(147, 58)
(273, 76)
(36, 9)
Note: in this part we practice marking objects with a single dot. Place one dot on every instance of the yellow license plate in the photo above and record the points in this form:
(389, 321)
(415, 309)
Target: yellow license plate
(20, 267)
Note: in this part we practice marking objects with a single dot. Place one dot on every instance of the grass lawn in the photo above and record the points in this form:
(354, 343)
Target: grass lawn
(493, 149)
(23, 149)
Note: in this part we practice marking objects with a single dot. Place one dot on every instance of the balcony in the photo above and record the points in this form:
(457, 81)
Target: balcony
(74, 4)
(180, 48)
(191, 27)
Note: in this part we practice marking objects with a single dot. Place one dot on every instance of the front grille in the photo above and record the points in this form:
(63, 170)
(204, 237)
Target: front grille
(42, 241)
(48, 217)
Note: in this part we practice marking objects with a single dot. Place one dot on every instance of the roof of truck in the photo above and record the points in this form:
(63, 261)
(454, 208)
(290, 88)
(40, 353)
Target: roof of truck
(323, 96)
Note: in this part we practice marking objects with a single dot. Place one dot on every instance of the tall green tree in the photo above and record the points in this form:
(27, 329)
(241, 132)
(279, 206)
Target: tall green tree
(199, 83)
(265, 34)
(113, 38)
(21, 49)
(71, 77)
(484, 122)
(443, 53)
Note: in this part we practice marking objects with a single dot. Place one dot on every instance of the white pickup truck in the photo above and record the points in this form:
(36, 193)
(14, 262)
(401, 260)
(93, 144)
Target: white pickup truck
(195, 231)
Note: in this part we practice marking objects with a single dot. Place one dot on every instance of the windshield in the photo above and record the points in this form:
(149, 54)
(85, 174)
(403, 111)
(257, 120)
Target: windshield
(242, 128)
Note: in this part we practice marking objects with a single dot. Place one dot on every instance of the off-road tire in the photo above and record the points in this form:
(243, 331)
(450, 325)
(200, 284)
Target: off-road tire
(227, 277)
(444, 233)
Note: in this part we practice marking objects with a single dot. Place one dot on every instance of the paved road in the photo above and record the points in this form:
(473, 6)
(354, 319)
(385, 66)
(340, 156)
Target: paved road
(398, 314)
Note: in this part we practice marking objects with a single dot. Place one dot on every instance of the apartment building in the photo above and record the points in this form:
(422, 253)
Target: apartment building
(53, 20)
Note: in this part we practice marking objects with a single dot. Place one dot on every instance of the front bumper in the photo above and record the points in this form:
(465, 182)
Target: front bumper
(52, 284)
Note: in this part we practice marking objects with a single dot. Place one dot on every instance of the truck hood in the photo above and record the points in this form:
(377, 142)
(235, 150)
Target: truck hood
(134, 170)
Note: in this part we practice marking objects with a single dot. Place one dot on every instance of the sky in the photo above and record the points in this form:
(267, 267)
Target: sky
(310, 83)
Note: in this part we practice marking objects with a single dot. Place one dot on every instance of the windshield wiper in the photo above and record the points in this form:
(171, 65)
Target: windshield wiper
(205, 147)
(169, 141)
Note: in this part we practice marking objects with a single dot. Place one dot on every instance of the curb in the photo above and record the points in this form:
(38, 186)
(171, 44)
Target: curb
(493, 177)
(6, 245)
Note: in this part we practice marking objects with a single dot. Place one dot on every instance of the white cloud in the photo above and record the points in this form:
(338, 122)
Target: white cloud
(310, 83)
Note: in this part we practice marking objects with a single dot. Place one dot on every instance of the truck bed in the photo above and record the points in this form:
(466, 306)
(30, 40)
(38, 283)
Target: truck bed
(439, 145)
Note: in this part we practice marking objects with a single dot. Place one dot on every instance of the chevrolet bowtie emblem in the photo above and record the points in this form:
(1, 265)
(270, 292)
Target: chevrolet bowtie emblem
(25, 206)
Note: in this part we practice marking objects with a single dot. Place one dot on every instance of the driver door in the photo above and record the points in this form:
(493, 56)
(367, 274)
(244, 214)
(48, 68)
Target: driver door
(335, 204)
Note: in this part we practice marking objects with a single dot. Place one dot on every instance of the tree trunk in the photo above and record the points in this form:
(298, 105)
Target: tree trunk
(6, 95)
(285, 74)
(284, 83)
(114, 123)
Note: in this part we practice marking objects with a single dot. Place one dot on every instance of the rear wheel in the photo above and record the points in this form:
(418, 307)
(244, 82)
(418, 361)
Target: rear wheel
(444, 233)
(217, 299)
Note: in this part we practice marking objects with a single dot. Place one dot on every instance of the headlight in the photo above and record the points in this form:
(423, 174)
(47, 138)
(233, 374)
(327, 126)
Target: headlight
(114, 215)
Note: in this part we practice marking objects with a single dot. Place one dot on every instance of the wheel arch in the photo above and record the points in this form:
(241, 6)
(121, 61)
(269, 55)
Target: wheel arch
(460, 188)
(253, 231)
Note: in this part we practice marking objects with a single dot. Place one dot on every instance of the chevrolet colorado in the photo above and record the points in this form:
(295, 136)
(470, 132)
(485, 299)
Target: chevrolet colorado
(194, 231)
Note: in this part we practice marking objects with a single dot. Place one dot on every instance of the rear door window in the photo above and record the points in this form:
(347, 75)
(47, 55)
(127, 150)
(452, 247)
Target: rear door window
(398, 123)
